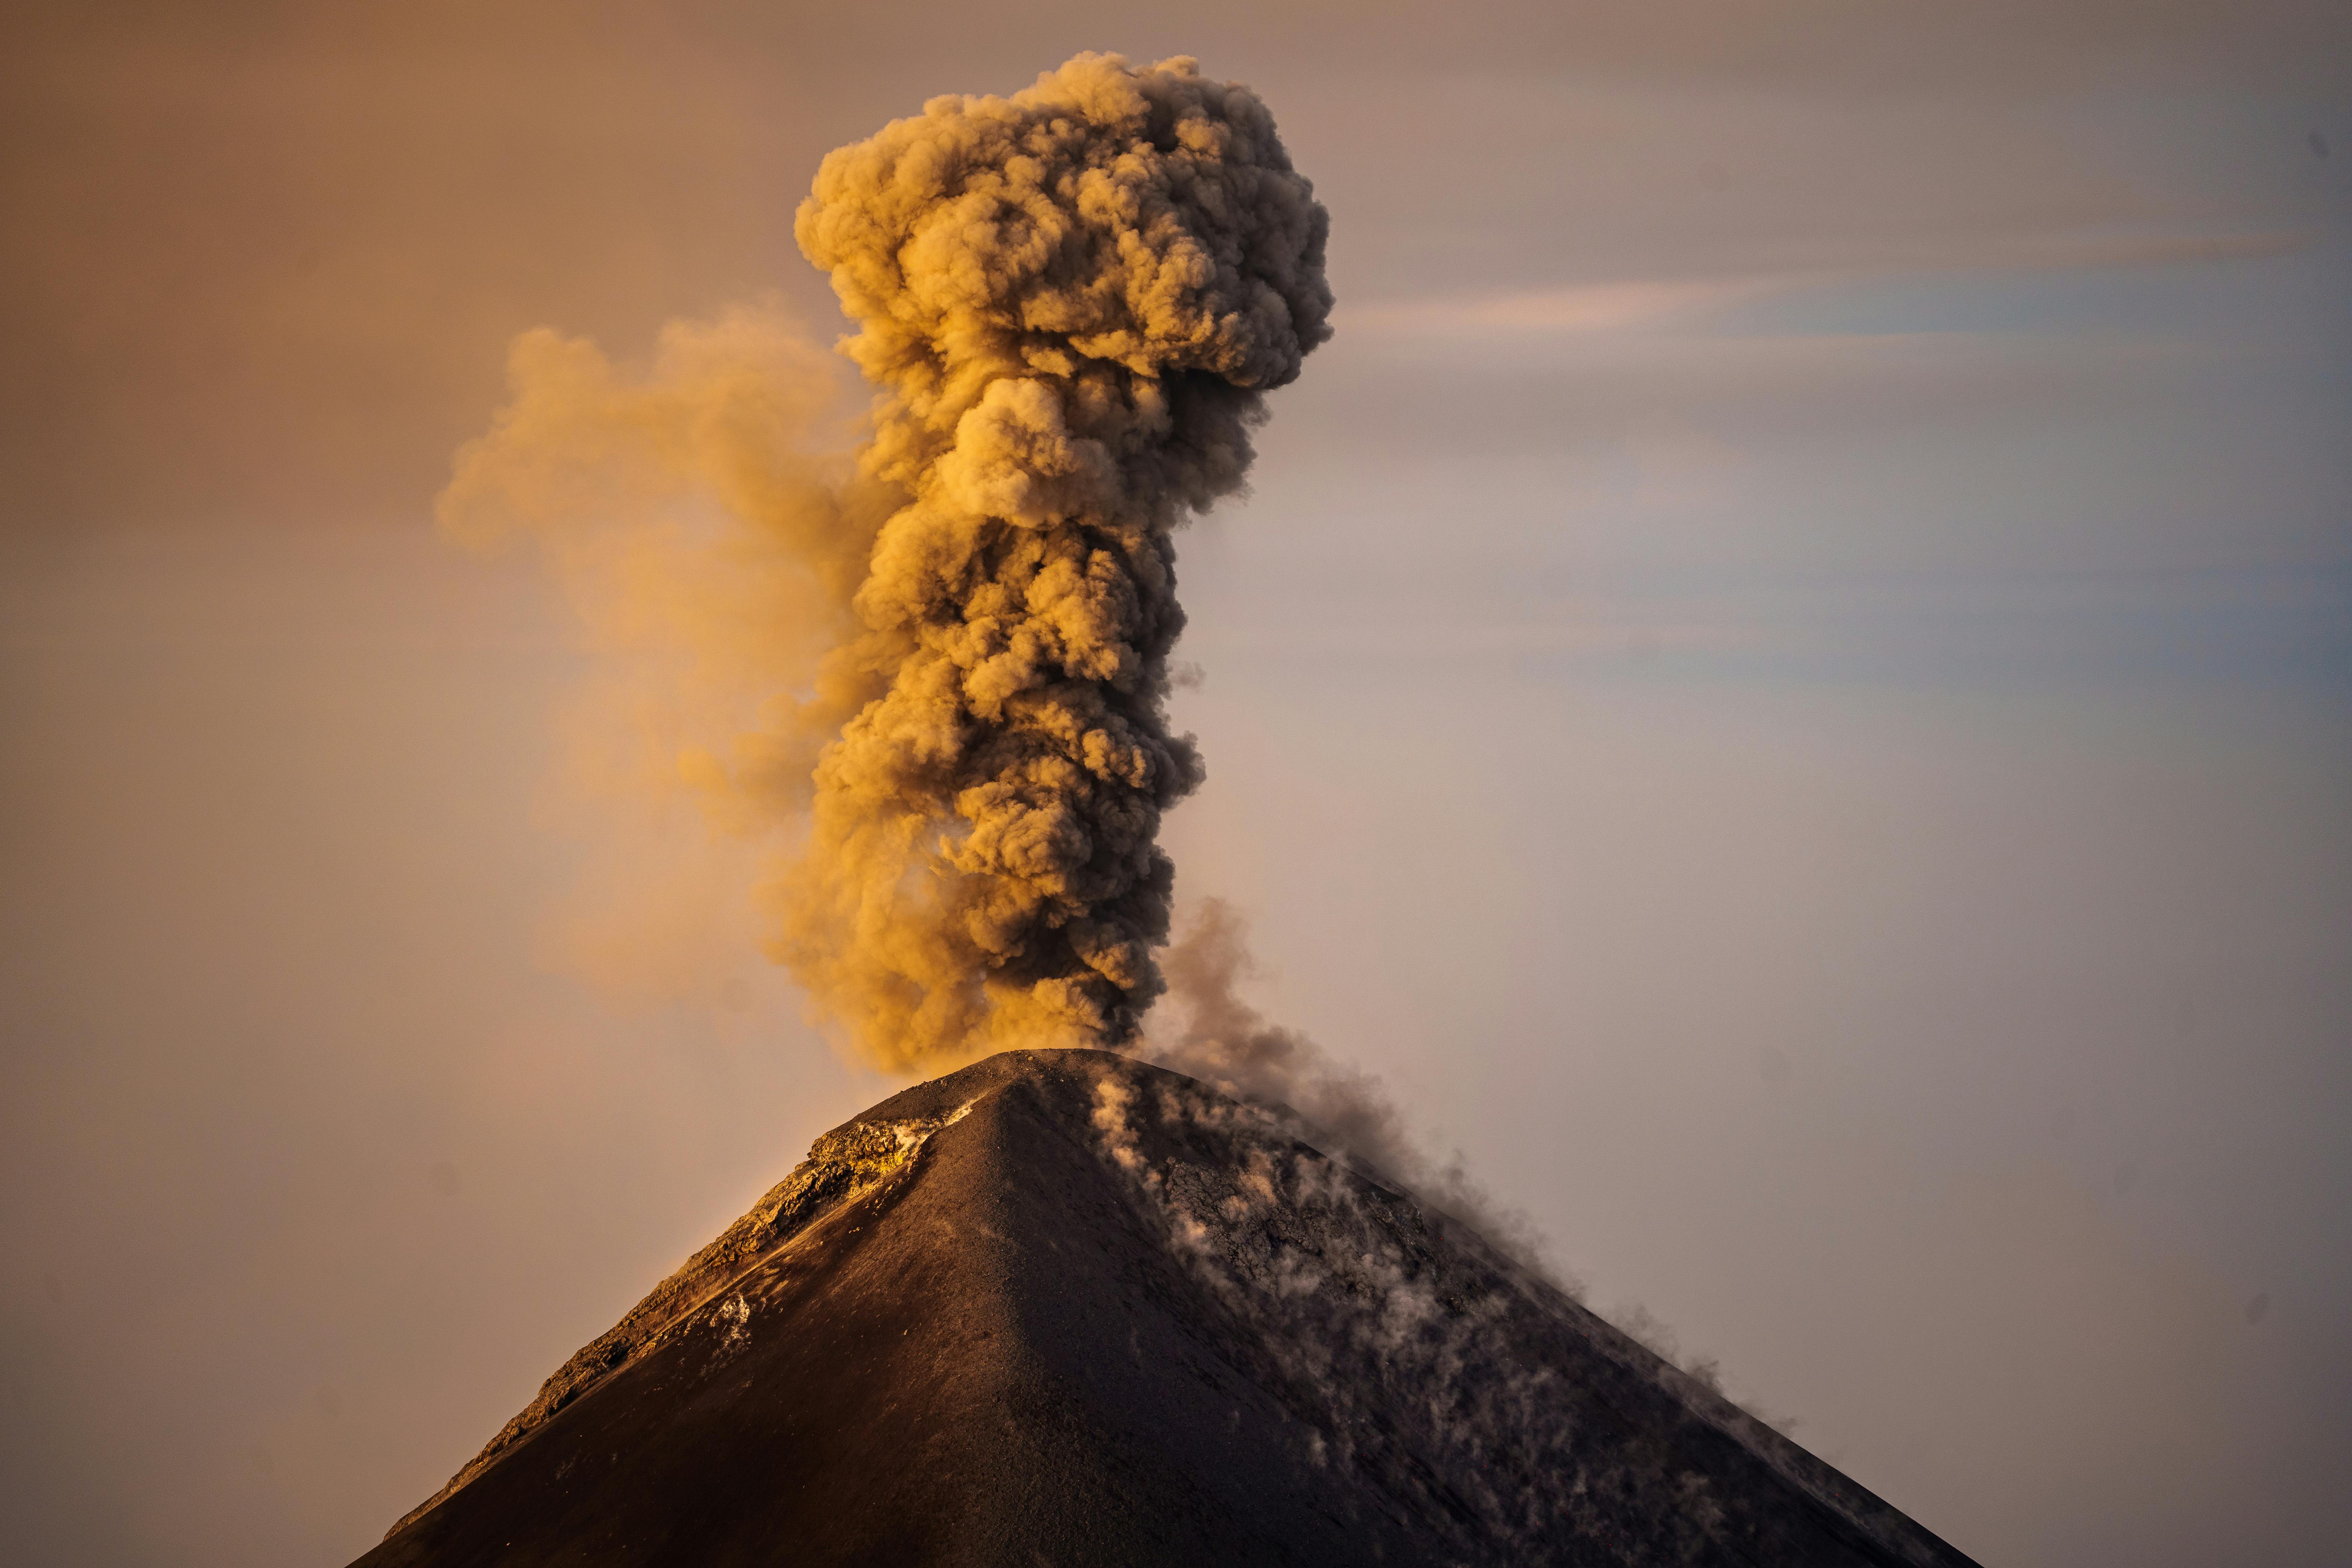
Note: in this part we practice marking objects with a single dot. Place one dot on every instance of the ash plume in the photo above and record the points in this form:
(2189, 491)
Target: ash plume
(1072, 301)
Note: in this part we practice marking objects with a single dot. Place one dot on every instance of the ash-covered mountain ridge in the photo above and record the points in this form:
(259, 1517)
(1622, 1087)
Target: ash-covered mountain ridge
(1065, 1307)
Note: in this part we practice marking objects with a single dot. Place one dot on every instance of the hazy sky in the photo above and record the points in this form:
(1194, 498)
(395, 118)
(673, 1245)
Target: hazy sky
(1785, 681)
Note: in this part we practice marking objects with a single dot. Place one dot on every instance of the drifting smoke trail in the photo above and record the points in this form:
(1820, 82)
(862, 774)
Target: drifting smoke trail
(1073, 301)
(1230, 1045)
(708, 528)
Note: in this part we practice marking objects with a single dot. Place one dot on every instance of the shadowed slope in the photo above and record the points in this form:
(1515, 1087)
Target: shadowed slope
(1063, 1306)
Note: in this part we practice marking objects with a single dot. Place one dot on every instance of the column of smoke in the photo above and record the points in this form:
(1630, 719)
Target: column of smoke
(937, 675)
(934, 673)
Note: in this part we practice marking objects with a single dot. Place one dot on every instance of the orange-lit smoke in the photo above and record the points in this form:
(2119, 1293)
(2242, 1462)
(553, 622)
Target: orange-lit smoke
(942, 669)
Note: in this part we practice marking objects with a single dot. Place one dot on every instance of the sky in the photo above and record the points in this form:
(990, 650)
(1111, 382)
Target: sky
(1783, 681)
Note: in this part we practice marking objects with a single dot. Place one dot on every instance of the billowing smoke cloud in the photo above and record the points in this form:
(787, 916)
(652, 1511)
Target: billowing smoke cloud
(1073, 301)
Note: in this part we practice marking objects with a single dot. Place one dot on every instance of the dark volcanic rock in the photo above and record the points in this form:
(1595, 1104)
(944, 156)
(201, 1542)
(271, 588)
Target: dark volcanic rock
(1065, 1308)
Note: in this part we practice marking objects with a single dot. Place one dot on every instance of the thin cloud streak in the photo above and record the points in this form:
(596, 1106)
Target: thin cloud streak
(1639, 304)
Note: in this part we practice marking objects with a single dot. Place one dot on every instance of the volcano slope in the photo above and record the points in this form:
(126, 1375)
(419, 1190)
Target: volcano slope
(1061, 1306)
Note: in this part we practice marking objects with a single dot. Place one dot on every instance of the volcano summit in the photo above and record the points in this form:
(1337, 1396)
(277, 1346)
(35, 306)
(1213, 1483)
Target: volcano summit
(1063, 1306)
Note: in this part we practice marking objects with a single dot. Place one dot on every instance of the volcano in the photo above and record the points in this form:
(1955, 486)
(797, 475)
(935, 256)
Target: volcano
(1063, 1306)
